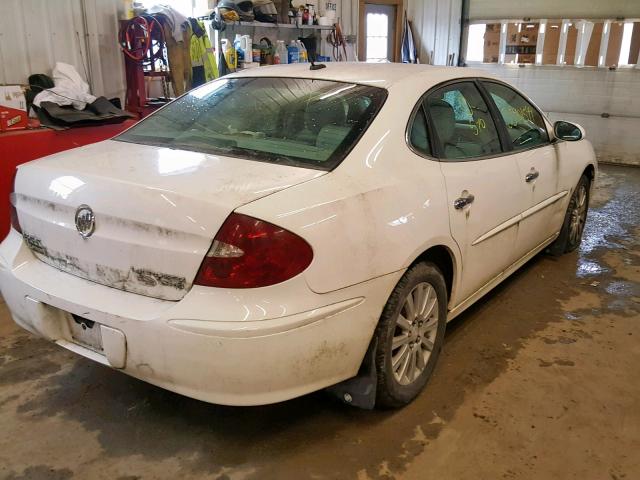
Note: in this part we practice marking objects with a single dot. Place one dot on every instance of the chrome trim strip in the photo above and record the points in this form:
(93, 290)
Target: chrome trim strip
(471, 299)
(521, 216)
(544, 204)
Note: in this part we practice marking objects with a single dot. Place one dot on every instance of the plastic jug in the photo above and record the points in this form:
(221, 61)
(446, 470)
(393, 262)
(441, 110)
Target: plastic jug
(229, 54)
(303, 54)
(293, 53)
(237, 42)
(281, 55)
(246, 45)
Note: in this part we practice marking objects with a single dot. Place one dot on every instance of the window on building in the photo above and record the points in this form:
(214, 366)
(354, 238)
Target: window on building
(593, 50)
(571, 30)
(377, 37)
(614, 44)
(634, 47)
(625, 46)
(475, 42)
(188, 8)
(522, 38)
(551, 43)
(483, 43)
(602, 43)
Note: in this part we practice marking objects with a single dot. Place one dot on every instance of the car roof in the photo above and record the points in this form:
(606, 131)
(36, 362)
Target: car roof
(383, 75)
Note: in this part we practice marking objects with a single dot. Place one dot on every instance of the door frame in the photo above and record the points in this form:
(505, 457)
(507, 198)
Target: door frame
(362, 44)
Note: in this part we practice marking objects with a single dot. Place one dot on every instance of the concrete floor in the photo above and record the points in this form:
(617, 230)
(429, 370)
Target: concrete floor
(539, 380)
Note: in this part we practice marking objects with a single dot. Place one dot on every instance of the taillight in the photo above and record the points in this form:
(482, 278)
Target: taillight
(13, 213)
(250, 253)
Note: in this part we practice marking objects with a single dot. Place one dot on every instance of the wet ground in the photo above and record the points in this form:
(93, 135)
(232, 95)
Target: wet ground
(540, 379)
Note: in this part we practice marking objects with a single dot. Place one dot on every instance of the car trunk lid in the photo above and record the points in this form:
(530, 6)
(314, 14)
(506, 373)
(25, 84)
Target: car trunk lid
(156, 210)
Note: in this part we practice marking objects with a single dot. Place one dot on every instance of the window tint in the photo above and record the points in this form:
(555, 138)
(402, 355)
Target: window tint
(293, 121)
(524, 123)
(462, 122)
(418, 136)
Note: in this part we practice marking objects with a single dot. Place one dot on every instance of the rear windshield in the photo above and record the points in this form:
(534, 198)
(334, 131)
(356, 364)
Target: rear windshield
(292, 121)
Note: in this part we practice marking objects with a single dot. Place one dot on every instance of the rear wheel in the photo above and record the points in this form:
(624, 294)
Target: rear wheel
(410, 335)
(574, 220)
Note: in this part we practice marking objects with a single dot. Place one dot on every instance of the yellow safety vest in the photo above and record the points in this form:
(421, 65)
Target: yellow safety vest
(202, 54)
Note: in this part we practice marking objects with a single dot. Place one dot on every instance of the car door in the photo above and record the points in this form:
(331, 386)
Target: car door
(528, 139)
(483, 192)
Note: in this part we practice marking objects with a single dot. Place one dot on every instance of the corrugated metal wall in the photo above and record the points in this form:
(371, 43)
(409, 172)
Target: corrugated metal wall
(35, 34)
(436, 24)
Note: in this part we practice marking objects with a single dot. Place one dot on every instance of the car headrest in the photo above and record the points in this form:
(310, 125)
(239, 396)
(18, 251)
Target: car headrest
(443, 118)
(331, 136)
(321, 114)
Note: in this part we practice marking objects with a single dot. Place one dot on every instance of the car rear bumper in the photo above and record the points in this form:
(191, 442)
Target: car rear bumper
(233, 347)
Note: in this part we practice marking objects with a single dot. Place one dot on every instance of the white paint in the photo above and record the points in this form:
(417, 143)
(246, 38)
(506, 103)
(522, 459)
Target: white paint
(366, 221)
(436, 29)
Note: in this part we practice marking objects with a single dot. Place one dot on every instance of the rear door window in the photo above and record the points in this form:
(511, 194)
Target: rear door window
(524, 123)
(462, 122)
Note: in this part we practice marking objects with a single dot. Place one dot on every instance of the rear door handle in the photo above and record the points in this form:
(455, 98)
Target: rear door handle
(531, 176)
(460, 203)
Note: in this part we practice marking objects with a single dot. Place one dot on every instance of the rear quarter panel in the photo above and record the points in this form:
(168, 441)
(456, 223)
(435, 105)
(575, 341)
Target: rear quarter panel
(374, 214)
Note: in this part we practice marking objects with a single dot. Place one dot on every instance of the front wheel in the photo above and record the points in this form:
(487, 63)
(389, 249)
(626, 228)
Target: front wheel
(574, 220)
(410, 335)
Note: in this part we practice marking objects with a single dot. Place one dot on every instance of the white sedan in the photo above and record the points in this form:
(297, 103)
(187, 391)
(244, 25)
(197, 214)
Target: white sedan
(284, 229)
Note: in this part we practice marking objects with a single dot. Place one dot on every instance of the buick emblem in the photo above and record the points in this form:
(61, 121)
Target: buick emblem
(85, 221)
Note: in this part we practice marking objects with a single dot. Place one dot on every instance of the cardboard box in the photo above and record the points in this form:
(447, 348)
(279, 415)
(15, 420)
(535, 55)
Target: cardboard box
(13, 108)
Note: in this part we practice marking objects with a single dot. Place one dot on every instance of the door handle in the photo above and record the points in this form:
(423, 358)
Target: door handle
(460, 203)
(531, 176)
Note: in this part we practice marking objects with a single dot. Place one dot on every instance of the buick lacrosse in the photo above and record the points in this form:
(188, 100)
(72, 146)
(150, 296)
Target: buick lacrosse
(287, 229)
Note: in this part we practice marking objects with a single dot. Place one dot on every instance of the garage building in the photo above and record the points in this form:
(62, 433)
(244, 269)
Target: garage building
(372, 239)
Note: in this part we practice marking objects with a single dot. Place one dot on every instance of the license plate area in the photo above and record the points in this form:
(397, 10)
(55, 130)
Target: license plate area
(86, 333)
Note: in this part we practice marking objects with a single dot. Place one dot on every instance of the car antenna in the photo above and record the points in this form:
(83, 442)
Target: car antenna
(319, 66)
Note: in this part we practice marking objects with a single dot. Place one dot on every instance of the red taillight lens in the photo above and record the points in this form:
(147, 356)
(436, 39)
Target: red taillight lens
(250, 253)
(13, 213)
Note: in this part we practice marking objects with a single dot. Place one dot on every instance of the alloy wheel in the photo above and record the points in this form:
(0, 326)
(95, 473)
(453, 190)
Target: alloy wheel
(578, 215)
(414, 333)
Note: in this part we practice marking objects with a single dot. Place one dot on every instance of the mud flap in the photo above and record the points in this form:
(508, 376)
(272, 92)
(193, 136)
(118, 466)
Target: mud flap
(360, 391)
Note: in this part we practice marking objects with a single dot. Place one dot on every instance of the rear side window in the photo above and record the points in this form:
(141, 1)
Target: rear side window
(525, 125)
(418, 135)
(292, 121)
(462, 122)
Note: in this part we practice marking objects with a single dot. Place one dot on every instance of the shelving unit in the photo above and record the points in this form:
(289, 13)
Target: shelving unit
(278, 25)
(273, 31)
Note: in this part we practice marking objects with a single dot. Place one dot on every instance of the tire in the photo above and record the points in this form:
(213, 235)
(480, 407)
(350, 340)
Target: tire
(397, 387)
(574, 220)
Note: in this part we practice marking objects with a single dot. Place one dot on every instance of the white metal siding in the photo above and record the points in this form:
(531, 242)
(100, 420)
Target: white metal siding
(35, 34)
(436, 28)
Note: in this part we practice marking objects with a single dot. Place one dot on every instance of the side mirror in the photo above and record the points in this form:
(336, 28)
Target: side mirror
(568, 131)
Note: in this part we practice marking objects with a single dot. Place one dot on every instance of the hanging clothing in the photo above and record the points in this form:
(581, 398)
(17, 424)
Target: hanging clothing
(176, 19)
(203, 60)
(409, 52)
(179, 57)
